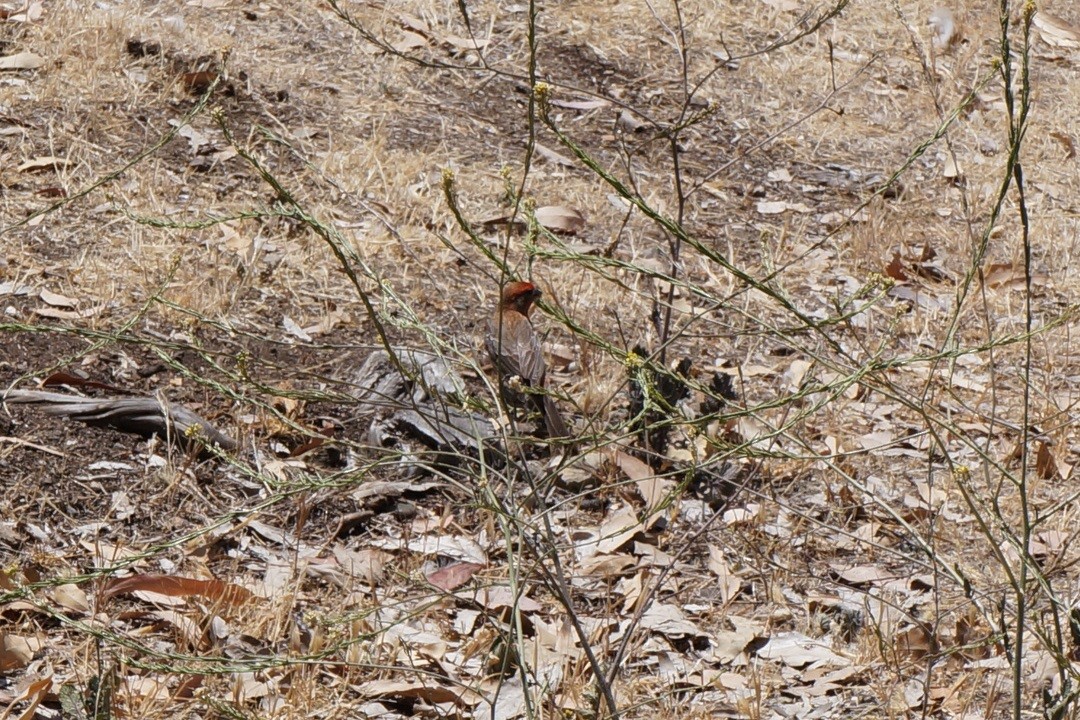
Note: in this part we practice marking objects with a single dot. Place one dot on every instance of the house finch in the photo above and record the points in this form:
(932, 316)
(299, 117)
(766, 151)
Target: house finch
(515, 350)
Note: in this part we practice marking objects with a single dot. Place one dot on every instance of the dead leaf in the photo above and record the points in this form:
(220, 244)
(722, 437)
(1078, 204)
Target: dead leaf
(21, 61)
(106, 555)
(71, 597)
(730, 584)
(293, 328)
(57, 300)
(619, 528)
(195, 139)
(35, 692)
(29, 11)
(143, 687)
(1056, 32)
(607, 565)
(1067, 142)
(580, 104)
(728, 644)
(69, 314)
(501, 597)
(174, 586)
(465, 43)
(739, 516)
(188, 628)
(552, 156)
(453, 576)
(1010, 276)
(417, 690)
(456, 547)
(917, 296)
(16, 651)
(876, 440)
(366, 564)
(1048, 465)
(915, 643)
(12, 287)
(670, 621)
(782, 5)
(560, 219)
(861, 575)
(409, 41)
(796, 373)
(952, 169)
(199, 82)
(797, 650)
(654, 490)
(772, 207)
(46, 162)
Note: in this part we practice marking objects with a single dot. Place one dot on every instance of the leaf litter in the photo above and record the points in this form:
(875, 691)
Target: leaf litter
(704, 617)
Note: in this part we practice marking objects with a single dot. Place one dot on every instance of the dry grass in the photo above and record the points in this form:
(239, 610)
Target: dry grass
(840, 468)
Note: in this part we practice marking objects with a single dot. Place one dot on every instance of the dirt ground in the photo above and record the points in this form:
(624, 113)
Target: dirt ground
(231, 205)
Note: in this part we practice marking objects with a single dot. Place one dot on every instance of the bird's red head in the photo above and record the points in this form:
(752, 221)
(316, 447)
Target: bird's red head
(520, 296)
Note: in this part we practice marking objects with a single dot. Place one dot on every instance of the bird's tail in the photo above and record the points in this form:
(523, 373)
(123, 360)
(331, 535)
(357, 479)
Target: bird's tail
(553, 420)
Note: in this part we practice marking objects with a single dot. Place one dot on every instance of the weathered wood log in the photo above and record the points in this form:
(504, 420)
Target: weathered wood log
(419, 403)
(143, 416)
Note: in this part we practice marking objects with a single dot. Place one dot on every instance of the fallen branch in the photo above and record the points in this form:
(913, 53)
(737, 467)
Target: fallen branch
(142, 416)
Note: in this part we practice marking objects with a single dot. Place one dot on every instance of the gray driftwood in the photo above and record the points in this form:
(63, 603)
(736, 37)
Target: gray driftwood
(143, 416)
(419, 403)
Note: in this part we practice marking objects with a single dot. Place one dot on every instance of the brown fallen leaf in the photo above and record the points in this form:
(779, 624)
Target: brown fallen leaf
(59, 379)
(1055, 31)
(35, 692)
(38, 164)
(453, 576)
(409, 41)
(552, 156)
(417, 690)
(1048, 465)
(916, 643)
(16, 651)
(464, 43)
(560, 219)
(895, 269)
(29, 11)
(175, 586)
(71, 597)
(199, 82)
(1010, 276)
(1067, 143)
(21, 61)
(580, 104)
(55, 314)
(56, 299)
(772, 207)
(918, 297)
(654, 490)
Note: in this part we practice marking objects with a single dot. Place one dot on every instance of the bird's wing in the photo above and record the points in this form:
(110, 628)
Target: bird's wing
(518, 352)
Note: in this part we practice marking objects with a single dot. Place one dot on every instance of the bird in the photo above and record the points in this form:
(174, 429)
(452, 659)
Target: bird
(515, 351)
